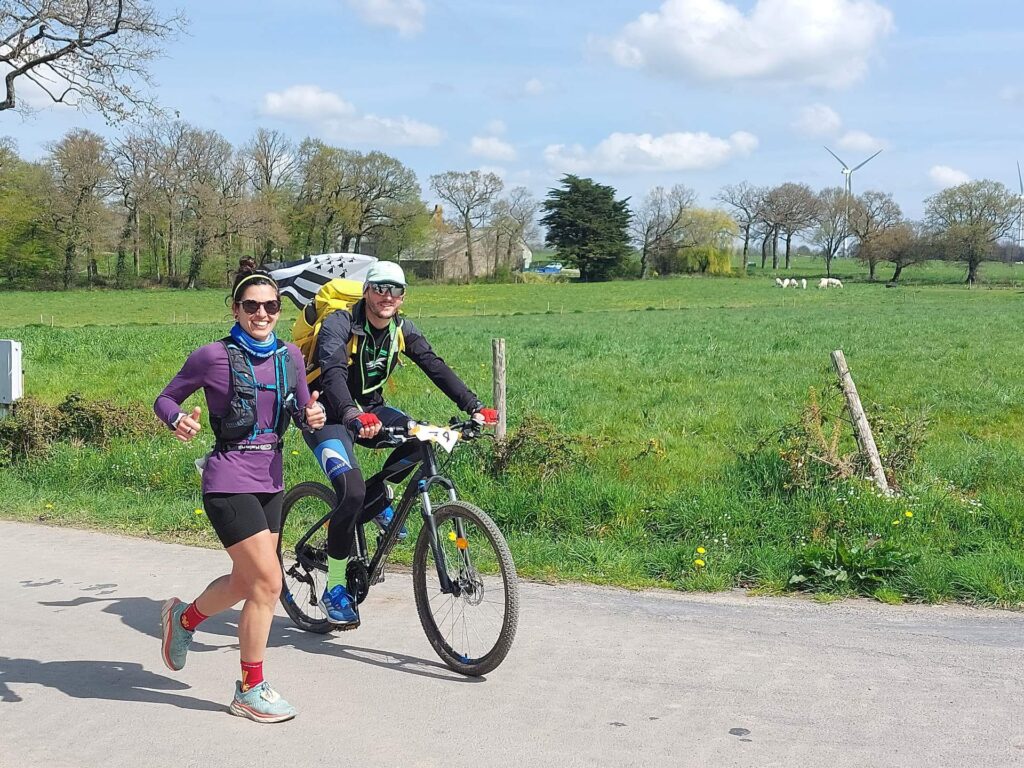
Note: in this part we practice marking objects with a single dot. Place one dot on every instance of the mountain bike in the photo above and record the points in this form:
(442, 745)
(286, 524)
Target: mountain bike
(463, 577)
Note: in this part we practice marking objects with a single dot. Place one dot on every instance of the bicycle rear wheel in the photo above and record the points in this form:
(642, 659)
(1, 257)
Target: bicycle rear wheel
(304, 570)
(472, 628)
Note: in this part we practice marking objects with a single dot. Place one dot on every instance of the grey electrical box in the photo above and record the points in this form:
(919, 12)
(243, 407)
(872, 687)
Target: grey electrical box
(12, 381)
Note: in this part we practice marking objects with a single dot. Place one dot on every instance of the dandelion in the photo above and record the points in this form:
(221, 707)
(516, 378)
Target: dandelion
(49, 506)
(698, 563)
(199, 511)
(701, 550)
(895, 522)
(295, 453)
(908, 513)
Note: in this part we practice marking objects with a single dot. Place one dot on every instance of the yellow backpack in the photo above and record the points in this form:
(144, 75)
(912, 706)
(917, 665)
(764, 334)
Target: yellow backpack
(339, 293)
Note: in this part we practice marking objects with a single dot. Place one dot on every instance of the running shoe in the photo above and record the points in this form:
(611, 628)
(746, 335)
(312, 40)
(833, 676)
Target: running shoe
(340, 608)
(261, 703)
(176, 639)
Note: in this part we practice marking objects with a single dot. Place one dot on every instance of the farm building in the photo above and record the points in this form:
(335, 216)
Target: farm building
(445, 256)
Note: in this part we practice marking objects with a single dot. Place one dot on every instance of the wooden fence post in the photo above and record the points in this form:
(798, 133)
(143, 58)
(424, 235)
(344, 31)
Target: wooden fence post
(861, 427)
(498, 354)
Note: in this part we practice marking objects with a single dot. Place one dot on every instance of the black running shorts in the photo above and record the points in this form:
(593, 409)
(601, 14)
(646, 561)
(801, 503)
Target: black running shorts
(237, 516)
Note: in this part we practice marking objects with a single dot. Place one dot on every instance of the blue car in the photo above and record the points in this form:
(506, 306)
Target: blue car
(550, 269)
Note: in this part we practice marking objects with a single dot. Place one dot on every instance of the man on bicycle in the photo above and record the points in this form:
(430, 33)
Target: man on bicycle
(356, 352)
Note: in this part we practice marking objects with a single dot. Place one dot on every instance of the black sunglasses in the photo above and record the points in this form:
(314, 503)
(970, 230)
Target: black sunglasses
(252, 306)
(388, 289)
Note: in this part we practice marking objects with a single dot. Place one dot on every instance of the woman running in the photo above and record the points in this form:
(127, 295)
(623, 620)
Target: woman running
(254, 385)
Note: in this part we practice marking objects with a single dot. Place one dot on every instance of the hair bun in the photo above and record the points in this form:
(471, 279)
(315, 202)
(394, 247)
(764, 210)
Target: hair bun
(246, 265)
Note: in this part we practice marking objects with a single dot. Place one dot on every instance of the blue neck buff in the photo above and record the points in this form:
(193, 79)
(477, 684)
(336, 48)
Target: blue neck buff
(250, 345)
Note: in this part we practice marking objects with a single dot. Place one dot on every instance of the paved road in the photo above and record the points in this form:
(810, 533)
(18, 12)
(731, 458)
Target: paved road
(597, 677)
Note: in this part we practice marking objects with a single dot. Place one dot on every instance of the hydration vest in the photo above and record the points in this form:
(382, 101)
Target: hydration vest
(237, 428)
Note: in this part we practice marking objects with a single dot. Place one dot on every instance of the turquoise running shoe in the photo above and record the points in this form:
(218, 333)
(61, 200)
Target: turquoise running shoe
(176, 639)
(340, 608)
(384, 520)
(261, 703)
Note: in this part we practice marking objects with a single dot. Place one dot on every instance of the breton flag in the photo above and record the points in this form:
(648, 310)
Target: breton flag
(300, 280)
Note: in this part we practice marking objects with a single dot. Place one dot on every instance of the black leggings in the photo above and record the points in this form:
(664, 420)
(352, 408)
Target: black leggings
(237, 516)
(333, 447)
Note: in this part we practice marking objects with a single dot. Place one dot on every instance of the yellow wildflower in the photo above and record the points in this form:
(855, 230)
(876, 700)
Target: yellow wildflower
(701, 550)
(698, 563)
(199, 511)
(908, 513)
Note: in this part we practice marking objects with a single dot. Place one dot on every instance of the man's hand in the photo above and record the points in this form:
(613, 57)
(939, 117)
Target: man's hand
(487, 416)
(365, 425)
(188, 426)
(316, 417)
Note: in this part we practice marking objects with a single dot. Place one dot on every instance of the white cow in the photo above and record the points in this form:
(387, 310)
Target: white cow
(778, 282)
(830, 282)
(803, 283)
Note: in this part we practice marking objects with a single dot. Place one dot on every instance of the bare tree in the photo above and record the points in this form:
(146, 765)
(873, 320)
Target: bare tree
(903, 245)
(134, 158)
(80, 166)
(772, 213)
(89, 53)
(171, 172)
(796, 209)
(658, 223)
(745, 200)
(471, 194)
(270, 164)
(830, 224)
(971, 219)
(872, 213)
(514, 218)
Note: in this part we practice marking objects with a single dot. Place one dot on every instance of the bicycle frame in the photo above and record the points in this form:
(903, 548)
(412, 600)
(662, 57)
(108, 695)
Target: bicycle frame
(420, 484)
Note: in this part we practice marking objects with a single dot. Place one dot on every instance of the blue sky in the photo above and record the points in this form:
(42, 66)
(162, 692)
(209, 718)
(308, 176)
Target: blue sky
(634, 94)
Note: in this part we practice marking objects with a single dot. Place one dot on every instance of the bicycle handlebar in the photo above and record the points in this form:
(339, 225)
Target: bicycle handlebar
(468, 430)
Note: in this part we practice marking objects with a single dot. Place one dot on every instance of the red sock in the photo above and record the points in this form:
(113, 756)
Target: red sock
(192, 618)
(252, 674)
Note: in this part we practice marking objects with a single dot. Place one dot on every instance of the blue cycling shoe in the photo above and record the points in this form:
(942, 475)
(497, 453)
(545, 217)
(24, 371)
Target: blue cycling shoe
(340, 608)
(384, 520)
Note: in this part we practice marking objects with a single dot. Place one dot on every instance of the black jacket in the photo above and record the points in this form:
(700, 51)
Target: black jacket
(341, 387)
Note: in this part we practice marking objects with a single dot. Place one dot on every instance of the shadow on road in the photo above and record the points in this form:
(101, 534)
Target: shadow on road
(112, 680)
(143, 615)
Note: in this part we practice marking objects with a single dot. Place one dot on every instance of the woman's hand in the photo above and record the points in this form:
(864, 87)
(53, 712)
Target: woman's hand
(188, 426)
(316, 416)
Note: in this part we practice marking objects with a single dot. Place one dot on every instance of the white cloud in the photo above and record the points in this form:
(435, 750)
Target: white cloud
(1012, 94)
(861, 141)
(943, 176)
(818, 120)
(406, 16)
(632, 152)
(535, 87)
(492, 148)
(338, 120)
(305, 102)
(822, 42)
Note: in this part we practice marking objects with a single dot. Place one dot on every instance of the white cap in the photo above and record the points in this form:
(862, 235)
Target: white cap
(385, 272)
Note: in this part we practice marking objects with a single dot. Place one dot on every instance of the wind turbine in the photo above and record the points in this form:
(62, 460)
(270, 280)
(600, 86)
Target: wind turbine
(848, 186)
(1020, 216)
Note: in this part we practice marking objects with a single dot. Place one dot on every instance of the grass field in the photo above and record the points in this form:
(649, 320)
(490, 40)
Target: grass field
(655, 396)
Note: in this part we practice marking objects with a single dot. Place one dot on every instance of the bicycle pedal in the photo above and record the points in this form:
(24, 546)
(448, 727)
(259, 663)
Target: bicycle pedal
(346, 627)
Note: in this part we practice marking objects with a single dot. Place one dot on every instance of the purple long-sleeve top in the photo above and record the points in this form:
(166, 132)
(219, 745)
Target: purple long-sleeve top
(208, 368)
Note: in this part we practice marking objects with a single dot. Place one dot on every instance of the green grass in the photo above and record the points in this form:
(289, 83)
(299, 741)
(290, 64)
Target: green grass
(665, 386)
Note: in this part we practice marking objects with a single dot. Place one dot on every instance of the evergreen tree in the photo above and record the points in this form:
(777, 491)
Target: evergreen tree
(587, 225)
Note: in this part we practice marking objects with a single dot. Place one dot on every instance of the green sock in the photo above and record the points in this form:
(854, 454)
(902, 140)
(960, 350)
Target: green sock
(336, 572)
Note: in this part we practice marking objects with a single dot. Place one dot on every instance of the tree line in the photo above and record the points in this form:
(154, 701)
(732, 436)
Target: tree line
(666, 232)
(164, 203)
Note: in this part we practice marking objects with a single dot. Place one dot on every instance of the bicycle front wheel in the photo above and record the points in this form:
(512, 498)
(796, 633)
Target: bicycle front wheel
(471, 627)
(304, 568)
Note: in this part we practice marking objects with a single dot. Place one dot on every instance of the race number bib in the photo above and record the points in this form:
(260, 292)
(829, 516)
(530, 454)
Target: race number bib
(428, 433)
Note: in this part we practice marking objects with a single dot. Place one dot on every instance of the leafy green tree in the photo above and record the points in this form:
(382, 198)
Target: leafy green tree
(27, 241)
(971, 218)
(588, 226)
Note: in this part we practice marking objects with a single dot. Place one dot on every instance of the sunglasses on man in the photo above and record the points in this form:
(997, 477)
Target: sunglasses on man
(388, 289)
(251, 307)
